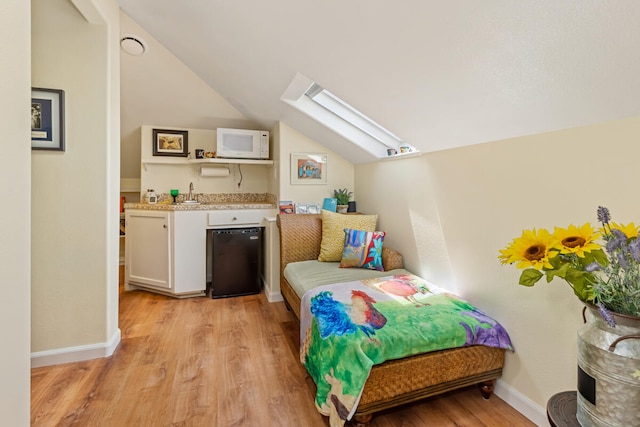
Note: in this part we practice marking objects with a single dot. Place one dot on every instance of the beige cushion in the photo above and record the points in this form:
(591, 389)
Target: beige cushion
(305, 275)
(333, 225)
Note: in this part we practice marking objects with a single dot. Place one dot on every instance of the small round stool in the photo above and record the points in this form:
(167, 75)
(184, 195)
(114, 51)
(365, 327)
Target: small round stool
(561, 409)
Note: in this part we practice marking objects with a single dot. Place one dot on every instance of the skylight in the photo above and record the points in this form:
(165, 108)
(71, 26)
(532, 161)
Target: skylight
(328, 109)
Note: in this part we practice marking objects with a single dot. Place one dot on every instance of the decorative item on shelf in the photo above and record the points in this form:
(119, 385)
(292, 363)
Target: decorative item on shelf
(330, 204)
(606, 278)
(286, 207)
(352, 206)
(307, 208)
(342, 196)
(168, 142)
(199, 153)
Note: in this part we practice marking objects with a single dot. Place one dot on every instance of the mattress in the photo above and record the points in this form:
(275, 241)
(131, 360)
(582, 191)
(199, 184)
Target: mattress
(306, 275)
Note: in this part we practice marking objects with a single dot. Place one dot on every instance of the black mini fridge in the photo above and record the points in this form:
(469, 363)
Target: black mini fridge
(234, 262)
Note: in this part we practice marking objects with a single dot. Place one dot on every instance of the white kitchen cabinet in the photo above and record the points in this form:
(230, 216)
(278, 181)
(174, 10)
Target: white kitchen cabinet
(148, 249)
(165, 251)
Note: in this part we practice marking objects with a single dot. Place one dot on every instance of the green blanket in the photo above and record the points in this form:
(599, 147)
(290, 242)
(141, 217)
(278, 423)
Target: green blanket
(346, 328)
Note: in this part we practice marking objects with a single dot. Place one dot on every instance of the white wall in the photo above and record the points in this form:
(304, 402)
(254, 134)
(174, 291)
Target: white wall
(485, 196)
(340, 172)
(74, 219)
(15, 87)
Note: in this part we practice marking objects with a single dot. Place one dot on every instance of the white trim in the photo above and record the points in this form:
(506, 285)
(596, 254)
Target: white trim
(401, 156)
(75, 354)
(522, 404)
(274, 297)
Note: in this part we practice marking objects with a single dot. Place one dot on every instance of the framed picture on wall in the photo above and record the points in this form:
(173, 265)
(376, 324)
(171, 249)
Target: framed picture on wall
(308, 168)
(170, 142)
(47, 119)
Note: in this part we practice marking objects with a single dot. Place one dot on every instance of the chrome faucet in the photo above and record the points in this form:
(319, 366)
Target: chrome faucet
(191, 191)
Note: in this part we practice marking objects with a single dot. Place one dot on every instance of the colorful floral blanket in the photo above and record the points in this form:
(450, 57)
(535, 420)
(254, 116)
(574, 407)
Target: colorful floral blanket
(346, 328)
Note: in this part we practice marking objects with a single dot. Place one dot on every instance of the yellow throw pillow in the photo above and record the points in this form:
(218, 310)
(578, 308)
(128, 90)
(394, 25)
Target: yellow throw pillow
(333, 225)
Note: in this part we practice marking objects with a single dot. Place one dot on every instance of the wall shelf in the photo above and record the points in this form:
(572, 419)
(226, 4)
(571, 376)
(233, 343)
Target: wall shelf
(183, 161)
(232, 161)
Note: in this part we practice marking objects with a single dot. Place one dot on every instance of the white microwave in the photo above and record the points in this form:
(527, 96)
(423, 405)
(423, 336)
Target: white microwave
(242, 144)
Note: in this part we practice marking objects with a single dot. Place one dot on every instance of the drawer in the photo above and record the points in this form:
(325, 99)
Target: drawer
(236, 218)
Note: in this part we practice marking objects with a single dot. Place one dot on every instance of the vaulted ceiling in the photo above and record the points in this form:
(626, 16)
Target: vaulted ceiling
(438, 74)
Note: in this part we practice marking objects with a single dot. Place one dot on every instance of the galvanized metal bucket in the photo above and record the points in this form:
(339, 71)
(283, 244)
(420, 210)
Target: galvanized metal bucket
(608, 371)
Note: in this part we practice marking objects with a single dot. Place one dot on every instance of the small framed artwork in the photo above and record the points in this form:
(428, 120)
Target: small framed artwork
(170, 142)
(308, 168)
(286, 207)
(47, 119)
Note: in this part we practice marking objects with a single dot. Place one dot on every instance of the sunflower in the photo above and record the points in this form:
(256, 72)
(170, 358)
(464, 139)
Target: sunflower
(630, 230)
(576, 240)
(532, 249)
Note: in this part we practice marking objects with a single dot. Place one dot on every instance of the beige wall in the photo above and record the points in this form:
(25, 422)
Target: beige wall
(75, 193)
(158, 89)
(399, 192)
(483, 197)
(340, 172)
(15, 87)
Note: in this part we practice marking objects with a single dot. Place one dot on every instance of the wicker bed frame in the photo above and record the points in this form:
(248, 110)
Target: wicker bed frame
(395, 382)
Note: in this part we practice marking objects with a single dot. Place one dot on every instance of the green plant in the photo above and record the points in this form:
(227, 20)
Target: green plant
(342, 196)
(607, 274)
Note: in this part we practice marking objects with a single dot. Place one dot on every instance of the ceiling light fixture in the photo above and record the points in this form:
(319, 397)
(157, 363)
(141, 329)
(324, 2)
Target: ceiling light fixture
(133, 45)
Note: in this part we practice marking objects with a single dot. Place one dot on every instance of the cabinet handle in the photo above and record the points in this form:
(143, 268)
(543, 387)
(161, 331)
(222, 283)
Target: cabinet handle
(164, 225)
(234, 219)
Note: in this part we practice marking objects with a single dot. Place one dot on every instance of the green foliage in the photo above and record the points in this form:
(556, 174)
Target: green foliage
(342, 196)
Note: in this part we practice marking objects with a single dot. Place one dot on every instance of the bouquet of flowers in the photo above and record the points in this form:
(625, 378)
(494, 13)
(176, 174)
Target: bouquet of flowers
(605, 274)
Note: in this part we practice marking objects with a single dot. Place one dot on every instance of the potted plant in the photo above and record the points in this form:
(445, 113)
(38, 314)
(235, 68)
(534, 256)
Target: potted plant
(342, 196)
(602, 266)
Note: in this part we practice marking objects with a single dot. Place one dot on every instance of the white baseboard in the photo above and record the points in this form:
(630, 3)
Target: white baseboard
(75, 354)
(522, 404)
(274, 297)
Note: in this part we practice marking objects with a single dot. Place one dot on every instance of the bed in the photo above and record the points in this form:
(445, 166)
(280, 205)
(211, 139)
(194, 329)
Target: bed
(393, 382)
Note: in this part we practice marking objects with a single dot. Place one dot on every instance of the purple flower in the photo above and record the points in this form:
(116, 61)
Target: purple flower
(603, 215)
(634, 250)
(622, 260)
(619, 240)
(594, 266)
(606, 315)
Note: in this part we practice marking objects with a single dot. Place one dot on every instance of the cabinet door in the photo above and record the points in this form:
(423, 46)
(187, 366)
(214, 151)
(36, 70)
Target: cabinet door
(148, 248)
(189, 252)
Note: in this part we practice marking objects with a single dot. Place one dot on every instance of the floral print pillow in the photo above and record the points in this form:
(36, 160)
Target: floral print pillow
(362, 249)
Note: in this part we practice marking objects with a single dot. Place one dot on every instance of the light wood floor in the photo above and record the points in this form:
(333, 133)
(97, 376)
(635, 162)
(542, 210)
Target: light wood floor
(223, 362)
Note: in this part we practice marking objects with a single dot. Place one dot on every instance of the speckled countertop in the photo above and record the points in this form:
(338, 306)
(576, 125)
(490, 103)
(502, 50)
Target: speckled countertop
(207, 202)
